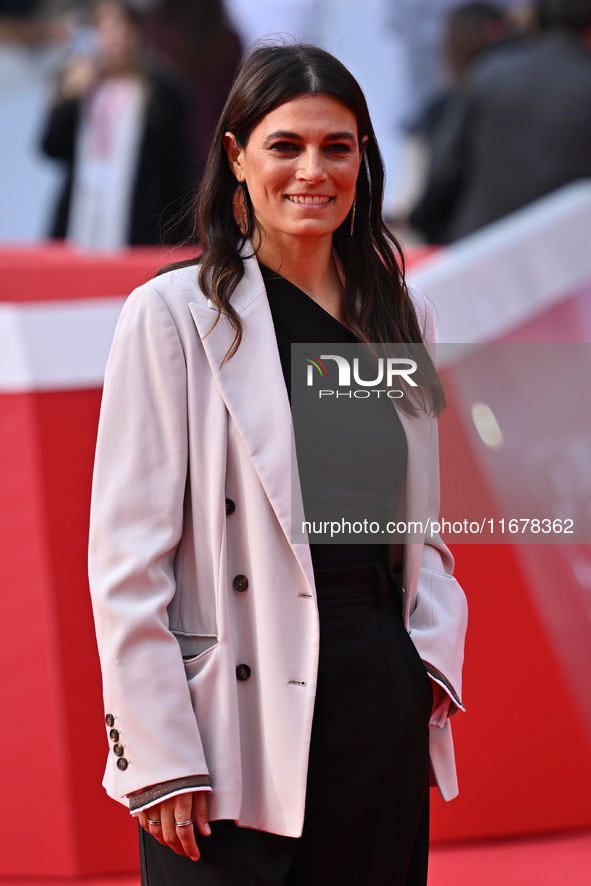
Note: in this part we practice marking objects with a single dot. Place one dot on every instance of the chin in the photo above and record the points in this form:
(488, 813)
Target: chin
(315, 228)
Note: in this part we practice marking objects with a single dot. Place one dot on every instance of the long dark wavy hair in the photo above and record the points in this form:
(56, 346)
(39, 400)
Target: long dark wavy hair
(377, 307)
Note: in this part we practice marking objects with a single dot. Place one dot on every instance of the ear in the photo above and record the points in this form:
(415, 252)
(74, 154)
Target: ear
(235, 155)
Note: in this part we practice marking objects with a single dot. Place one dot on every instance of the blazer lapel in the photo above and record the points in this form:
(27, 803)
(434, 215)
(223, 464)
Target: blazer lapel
(253, 388)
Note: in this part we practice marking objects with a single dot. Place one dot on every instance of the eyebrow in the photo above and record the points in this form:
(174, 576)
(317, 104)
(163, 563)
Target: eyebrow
(332, 136)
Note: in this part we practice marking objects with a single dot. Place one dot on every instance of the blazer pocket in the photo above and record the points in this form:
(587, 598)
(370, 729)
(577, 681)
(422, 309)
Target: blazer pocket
(196, 650)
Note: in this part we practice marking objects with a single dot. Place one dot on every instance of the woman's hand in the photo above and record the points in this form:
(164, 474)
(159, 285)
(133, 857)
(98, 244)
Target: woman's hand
(159, 820)
(78, 79)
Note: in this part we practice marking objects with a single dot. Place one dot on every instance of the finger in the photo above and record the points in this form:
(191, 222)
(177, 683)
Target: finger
(186, 835)
(184, 826)
(169, 835)
(180, 839)
(200, 813)
(151, 822)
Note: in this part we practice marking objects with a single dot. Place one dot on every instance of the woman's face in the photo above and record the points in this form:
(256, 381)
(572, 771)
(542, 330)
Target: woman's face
(119, 37)
(300, 165)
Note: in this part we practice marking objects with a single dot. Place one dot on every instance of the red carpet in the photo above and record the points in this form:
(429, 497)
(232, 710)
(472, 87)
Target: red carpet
(563, 860)
(551, 860)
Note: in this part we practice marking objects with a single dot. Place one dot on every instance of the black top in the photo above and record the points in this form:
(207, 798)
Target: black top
(351, 450)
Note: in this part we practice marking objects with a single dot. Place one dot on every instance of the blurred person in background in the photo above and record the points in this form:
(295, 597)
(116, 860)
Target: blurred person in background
(521, 124)
(118, 124)
(471, 29)
(422, 27)
(32, 37)
(196, 38)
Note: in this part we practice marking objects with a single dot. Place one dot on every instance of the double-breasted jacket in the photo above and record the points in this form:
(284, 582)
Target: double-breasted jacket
(205, 610)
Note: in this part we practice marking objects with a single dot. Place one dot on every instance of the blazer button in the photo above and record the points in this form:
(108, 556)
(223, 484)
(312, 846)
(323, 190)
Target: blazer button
(243, 672)
(122, 764)
(240, 583)
(397, 568)
(118, 750)
(230, 507)
(110, 720)
(114, 735)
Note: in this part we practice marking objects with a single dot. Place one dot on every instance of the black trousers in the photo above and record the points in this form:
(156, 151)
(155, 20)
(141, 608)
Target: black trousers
(367, 800)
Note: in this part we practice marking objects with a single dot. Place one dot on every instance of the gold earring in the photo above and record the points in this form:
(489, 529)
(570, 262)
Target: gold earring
(353, 213)
(240, 210)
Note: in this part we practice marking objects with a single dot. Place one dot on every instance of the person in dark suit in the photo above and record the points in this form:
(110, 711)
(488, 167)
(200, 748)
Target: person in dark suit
(472, 29)
(119, 125)
(521, 125)
(204, 50)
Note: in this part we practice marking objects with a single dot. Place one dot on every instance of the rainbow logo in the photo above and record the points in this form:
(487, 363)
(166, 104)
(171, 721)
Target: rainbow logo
(316, 362)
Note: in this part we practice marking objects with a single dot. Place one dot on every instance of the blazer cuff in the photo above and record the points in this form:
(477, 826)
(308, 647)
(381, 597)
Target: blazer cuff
(455, 701)
(157, 792)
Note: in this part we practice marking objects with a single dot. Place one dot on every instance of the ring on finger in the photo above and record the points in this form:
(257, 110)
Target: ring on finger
(183, 824)
(154, 821)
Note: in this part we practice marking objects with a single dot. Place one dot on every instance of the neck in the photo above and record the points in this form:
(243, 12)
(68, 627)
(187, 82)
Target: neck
(309, 265)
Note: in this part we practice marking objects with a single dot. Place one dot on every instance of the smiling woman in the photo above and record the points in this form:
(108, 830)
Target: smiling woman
(270, 715)
(306, 152)
(301, 165)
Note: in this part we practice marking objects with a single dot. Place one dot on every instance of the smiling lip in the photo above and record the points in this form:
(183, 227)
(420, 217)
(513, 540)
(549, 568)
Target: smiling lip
(309, 199)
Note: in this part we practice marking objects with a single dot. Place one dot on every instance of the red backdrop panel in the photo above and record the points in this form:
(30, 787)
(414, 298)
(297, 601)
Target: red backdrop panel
(57, 272)
(522, 749)
(522, 757)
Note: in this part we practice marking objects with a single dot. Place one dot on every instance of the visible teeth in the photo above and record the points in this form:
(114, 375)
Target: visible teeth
(307, 199)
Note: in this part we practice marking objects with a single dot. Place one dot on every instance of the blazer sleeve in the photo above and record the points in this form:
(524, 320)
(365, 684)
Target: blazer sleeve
(438, 619)
(135, 528)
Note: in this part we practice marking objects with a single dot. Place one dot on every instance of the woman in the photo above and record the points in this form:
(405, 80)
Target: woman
(119, 126)
(256, 686)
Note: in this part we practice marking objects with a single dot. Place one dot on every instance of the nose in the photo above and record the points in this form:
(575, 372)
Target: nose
(311, 168)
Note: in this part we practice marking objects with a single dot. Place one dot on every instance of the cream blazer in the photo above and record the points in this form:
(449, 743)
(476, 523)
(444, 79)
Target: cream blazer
(180, 434)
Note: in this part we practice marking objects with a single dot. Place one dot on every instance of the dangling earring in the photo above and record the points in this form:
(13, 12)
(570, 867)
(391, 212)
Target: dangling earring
(240, 209)
(353, 213)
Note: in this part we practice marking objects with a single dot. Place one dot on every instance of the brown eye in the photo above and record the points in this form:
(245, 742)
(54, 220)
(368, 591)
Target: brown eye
(284, 148)
(338, 148)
